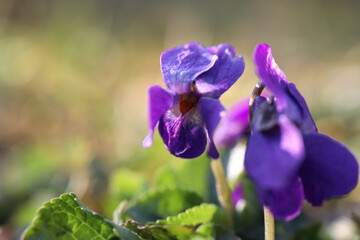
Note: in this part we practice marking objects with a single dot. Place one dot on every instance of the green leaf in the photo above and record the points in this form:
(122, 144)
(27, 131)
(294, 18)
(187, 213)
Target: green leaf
(197, 223)
(206, 230)
(159, 203)
(166, 177)
(160, 232)
(192, 174)
(209, 231)
(124, 183)
(67, 218)
(204, 213)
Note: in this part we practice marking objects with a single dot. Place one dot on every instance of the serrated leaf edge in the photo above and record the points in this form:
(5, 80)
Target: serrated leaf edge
(156, 190)
(82, 207)
(150, 226)
(167, 221)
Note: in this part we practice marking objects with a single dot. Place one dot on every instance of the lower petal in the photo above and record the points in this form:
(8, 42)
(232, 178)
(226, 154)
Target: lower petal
(329, 170)
(184, 135)
(211, 111)
(273, 157)
(285, 204)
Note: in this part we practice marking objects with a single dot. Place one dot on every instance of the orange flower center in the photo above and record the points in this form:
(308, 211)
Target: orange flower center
(187, 102)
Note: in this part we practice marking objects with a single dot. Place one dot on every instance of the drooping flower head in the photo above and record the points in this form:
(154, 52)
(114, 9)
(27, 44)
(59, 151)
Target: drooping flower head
(286, 156)
(188, 111)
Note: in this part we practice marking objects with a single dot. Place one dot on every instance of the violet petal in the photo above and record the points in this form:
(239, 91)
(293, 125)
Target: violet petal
(181, 65)
(306, 123)
(184, 135)
(329, 170)
(273, 157)
(233, 125)
(285, 204)
(270, 73)
(211, 111)
(160, 101)
(226, 70)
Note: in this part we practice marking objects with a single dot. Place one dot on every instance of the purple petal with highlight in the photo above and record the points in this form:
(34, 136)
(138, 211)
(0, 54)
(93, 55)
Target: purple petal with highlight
(181, 65)
(270, 73)
(226, 70)
(184, 135)
(273, 157)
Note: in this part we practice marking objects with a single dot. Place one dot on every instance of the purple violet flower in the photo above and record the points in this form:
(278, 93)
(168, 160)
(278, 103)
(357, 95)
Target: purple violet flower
(287, 158)
(233, 125)
(237, 195)
(188, 111)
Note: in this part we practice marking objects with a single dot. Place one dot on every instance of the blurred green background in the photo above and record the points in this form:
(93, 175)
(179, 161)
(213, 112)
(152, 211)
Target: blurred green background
(74, 78)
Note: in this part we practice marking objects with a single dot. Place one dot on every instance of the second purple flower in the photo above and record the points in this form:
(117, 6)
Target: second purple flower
(286, 156)
(188, 111)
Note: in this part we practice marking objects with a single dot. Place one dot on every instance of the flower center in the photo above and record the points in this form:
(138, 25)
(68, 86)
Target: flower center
(187, 102)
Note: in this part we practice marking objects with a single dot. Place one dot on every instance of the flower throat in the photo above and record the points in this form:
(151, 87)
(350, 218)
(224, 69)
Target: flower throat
(187, 102)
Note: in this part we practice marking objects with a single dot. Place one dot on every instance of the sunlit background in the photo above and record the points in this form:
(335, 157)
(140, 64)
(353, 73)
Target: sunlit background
(74, 78)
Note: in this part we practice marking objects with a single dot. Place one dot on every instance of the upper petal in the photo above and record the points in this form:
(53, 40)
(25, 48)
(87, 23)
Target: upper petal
(274, 157)
(159, 102)
(288, 99)
(329, 170)
(270, 73)
(181, 65)
(284, 204)
(233, 125)
(226, 70)
(184, 135)
(211, 111)
(306, 122)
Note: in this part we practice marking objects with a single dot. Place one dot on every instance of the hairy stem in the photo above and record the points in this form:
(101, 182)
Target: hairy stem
(269, 225)
(223, 189)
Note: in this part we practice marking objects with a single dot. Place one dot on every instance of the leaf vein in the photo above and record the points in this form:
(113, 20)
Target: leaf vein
(81, 220)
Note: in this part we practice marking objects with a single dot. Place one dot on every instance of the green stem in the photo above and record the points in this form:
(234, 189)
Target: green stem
(223, 190)
(268, 217)
(269, 225)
